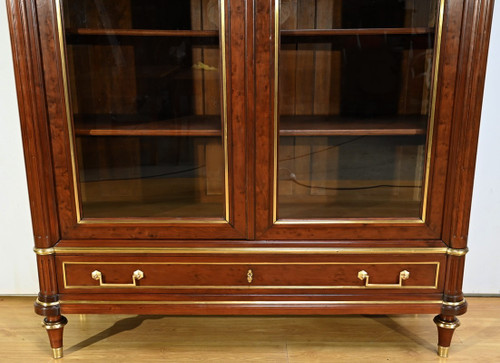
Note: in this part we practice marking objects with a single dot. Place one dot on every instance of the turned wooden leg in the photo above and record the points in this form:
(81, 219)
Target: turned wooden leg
(55, 326)
(446, 326)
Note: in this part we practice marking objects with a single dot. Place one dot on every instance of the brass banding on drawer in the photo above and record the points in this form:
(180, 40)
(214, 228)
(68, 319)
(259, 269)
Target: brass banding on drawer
(251, 275)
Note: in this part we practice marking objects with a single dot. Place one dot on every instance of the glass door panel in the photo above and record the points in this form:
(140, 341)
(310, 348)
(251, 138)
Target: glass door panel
(144, 80)
(354, 107)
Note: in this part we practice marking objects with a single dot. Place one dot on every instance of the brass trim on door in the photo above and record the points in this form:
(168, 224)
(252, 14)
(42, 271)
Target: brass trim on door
(276, 110)
(430, 135)
(69, 117)
(69, 121)
(224, 105)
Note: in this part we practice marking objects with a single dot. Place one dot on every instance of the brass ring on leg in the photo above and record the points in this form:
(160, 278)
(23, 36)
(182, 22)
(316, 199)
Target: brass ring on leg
(55, 325)
(446, 324)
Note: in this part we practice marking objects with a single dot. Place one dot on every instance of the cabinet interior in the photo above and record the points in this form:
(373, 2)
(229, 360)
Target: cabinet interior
(354, 103)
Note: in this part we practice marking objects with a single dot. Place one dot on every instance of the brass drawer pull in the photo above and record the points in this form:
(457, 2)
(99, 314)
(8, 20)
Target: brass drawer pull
(250, 276)
(137, 275)
(403, 275)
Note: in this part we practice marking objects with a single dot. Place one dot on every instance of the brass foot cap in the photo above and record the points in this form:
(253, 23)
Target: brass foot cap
(57, 352)
(443, 351)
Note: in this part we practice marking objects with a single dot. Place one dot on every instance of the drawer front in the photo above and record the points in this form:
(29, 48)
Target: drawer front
(223, 273)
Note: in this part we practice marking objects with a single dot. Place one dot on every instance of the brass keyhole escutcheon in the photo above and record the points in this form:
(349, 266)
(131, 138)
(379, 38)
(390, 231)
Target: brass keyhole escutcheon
(250, 276)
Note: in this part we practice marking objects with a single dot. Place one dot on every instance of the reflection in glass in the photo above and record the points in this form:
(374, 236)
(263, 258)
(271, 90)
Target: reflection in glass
(354, 103)
(144, 81)
(140, 14)
(131, 176)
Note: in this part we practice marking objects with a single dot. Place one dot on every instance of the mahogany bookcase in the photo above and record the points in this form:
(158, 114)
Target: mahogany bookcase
(250, 156)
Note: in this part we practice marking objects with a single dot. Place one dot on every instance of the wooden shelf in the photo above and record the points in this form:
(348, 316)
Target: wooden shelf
(143, 32)
(347, 40)
(362, 31)
(215, 33)
(175, 196)
(350, 126)
(349, 209)
(133, 125)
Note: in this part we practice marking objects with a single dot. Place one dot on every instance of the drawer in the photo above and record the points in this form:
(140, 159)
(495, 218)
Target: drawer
(194, 273)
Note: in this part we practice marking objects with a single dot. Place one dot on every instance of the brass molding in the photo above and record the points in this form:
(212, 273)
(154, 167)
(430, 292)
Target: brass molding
(166, 220)
(277, 4)
(96, 275)
(57, 352)
(271, 302)
(458, 303)
(253, 250)
(250, 287)
(55, 325)
(44, 251)
(457, 252)
(352, 221)
(446, 324)
(47, 305)
(224, 107)
(443, 351)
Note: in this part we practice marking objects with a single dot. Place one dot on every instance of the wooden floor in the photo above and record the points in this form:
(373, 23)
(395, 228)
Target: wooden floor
(126, 338)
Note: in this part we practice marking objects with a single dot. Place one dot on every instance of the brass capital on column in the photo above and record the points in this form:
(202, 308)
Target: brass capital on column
(457, 251)
(44, 251)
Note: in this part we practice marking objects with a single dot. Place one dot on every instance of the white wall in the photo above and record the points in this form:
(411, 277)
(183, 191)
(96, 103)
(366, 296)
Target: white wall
(16, 242)
(17, 260)
(481, 274)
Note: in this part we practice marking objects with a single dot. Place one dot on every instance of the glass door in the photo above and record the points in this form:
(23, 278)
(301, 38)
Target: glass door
(146, 103)
(145, 87)
(354, 104)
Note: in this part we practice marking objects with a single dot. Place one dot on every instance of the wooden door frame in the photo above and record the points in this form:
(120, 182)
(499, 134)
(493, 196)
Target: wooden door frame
(458, 78)
(56, 154)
